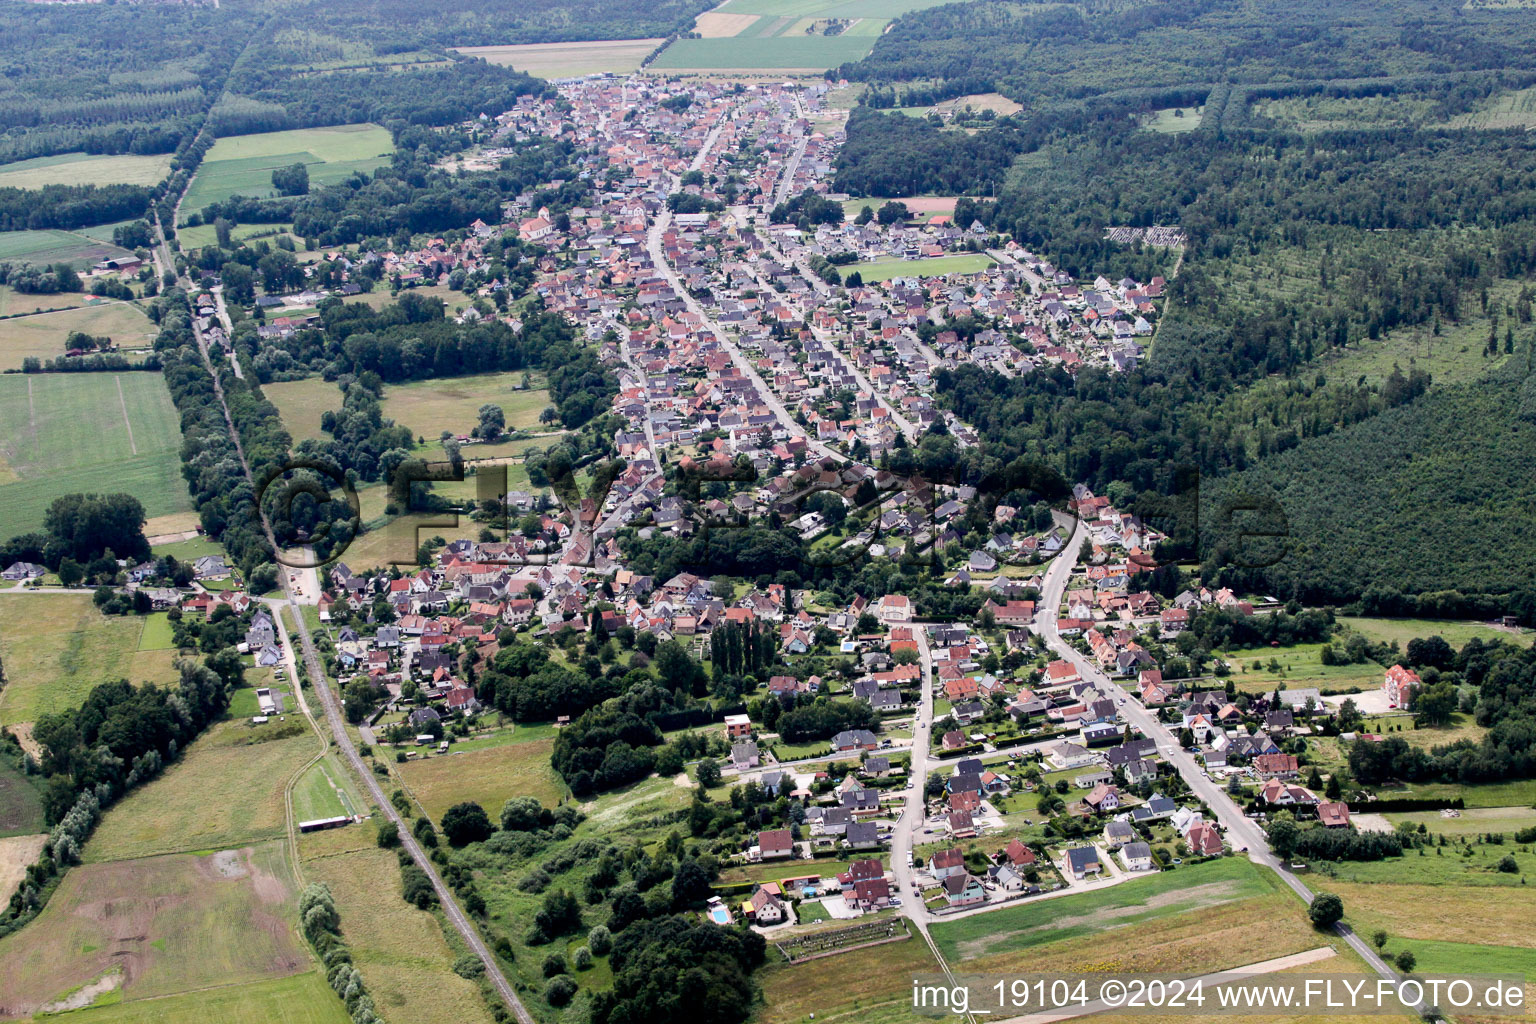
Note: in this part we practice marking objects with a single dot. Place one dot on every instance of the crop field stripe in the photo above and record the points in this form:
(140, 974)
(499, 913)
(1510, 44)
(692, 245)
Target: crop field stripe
(121, 401)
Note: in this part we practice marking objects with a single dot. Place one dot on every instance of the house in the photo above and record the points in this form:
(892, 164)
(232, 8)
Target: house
(210, 567)
(1019, 855)
(1399, 686)
(1118, 833)
(766, 907)
(854, 739)
(1333, 814)
(963, 890)
(1004, 877)
(1136, 857)
(1103, 798)
(775, 844)
(22, 571)
(946, 863)
(1204, 840)
(961, 824)
(1070, 755)
(863, 835)
(1083, 861)
(1276, 766)
(1284, 794)
(737, 727)
(869, 894)
(744, 754)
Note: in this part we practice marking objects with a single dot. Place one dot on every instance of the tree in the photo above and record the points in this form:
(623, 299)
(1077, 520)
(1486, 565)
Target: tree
(560, 990)
(71, 572)
(1379, 939)
(709, 773)
(389, 835)
(522, 814)
(493, 422)
(466, 823)
(1406, 961)
(1326, 910)
(292, 180)
(600, 940)
(559, 914)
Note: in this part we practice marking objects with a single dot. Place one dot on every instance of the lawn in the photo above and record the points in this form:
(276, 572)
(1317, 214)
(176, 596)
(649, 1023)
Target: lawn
(568, 60)
(157, 635)
(1520, 792)
(489, 777)
(299, 999)
(42, 335)
(921, 207)
(225, 790)
(178, 923)
(55, 246)
(1453, 632)
(68, 647)
(871, 986)
(884, 270)
(85, 169)
(243, 164)
(1300, 666)
(68, 433)
(188, 550)
(402, 954)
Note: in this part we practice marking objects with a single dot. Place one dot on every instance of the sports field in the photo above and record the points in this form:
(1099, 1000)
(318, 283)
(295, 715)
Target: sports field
(568, 60)
(68, 647)
(43, 335)
(243, 164)
(67, 433)
(165, 925)
(224, 792)
(55, 246)
(85, 169)
(884, 270)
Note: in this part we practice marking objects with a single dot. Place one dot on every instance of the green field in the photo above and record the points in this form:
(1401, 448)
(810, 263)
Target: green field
(490, 777)
(870, 986)
(299, 999)
(1173, 120)
(324, 791)
(243, 165)
(301, 403)
(772, 53)
(179, 923)
(85, 169)
(14, 303)
(225, 791)
(1300, 666)
(207, 234)
(21, 804)
(1455, 633)
(428, 407)
(42, 336)
(67, 433)
(884, 270)
(68, 647)
(54, 246)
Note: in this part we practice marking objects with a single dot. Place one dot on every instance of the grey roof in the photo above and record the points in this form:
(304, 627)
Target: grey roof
(1080, 857)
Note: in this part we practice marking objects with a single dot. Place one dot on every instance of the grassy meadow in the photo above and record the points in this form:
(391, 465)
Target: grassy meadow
(568, 60)
(490, 777)
(85, 169)
(68, 647)
(42, 335)
(243, 164)
(884, 270)
(297, 999)
(55, 246)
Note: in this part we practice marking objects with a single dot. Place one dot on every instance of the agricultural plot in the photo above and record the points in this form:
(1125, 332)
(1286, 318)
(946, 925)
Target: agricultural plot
(68, 647)
(158, 926)
(17, 853)
(207, 234)
(784, 35)
(82, 432)
(869, 985)
(745, 54)
(1262, 669)
(884, 270)
(243, 165)
(55, 246)
(21, 805)
(43, 335)
(14, 303)
(430, 407)
(1400, 631)
(568, 60)
(85, 169)
(1516, 109)
(404, 959)
(489, 777)
(226, 790)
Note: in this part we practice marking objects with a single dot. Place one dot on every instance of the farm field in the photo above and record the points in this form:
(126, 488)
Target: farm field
(224, 791)
(402, 954)
(1452, 914)
(243, 165)
(568, 60)
(207, 234)
(85, 169)
(17, 853)
(884, 270)
(66, 433)
(55, 246)
(301, 404)
(490, 777)
(1300, 666)
(745, 53)
(298, 999)
(872, 986)
(14, 303)
(921, 207)
(1454, 633)
(1472, 821)
(42, 335)
(68, 647)
(167, 924)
